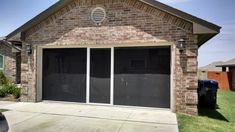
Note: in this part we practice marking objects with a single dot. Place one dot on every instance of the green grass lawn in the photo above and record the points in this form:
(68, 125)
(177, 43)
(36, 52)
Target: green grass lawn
(220, 120)
(3, 110)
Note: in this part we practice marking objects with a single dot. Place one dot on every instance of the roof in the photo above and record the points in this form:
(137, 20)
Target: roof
(204, 29)
(10, 44)
(182, 14)
(230, 63)
(212, 66)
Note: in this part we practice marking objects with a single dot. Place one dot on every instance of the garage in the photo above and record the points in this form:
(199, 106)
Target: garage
(132, 76)
(113, 52)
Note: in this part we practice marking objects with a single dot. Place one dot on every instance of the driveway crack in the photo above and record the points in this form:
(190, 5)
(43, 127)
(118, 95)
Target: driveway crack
(26, 119)
(125, 121)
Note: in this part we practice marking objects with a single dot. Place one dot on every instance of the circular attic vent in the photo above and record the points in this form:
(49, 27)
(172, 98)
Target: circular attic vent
(98, 15)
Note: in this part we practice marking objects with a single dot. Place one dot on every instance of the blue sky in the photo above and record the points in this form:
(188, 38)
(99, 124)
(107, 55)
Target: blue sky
(14, 13)
(220, 12)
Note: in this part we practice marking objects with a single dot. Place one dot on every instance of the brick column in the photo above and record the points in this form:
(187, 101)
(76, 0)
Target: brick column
(28, 75)
(24, 74)
(185, 76)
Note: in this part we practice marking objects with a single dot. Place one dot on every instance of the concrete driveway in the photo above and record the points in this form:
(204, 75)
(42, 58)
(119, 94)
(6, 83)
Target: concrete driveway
(55, 117)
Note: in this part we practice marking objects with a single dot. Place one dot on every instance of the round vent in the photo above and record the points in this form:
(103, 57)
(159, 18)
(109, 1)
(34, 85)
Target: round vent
(98, 15)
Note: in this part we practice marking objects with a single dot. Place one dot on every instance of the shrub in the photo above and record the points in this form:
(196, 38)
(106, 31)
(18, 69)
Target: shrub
(17, 92)
(3, 91)
(3, 79)
(10, 88)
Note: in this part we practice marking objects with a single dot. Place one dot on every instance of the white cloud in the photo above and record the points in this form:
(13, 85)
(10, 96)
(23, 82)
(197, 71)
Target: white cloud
(172, 1)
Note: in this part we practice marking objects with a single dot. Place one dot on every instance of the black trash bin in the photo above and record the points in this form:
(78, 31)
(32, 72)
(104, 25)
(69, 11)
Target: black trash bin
(207, 93)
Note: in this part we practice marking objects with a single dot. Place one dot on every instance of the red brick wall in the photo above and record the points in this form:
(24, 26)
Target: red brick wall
(128, 22)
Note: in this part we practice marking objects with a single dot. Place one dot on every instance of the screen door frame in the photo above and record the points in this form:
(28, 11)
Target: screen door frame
(89, 75)
(39, 67)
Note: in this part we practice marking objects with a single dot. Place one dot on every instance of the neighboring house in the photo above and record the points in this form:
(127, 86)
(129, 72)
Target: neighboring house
(10, 60)
(229, 66)
(116, 52)
(222, 72)
(203, 71)
(212, 67)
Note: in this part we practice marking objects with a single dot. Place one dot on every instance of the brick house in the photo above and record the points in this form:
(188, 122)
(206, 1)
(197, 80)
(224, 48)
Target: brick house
(116, 52)
(10, 60)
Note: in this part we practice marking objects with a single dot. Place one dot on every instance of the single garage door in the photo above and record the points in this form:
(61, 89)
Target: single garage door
(142, 76)
(64, 74)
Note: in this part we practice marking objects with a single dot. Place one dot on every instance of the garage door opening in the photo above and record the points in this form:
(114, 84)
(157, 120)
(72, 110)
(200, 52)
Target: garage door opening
(142, 77)
(100, 75)
(64, 75)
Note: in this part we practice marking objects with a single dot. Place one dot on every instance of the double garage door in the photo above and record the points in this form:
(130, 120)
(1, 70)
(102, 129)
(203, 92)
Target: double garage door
(121, 76)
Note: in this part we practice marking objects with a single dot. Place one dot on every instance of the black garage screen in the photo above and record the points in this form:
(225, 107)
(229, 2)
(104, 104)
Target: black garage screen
(64, 74)
(142, 77)
(100, 75)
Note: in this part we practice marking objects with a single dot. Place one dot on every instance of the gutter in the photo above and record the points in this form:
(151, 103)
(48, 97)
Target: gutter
(226, 65)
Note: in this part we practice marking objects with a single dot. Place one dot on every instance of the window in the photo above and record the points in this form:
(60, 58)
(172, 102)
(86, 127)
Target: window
(1, 63)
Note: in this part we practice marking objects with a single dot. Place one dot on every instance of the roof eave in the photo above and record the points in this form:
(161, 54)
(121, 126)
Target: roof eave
(9, 44)
(40, 17)
(182, 14)
(203, 38)
(226, 65)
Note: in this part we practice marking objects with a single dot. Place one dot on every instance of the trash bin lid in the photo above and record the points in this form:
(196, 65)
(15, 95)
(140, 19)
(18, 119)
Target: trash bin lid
(209, 83)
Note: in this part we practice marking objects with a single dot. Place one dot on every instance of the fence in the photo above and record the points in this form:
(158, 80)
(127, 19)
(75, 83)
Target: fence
(224, 79)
